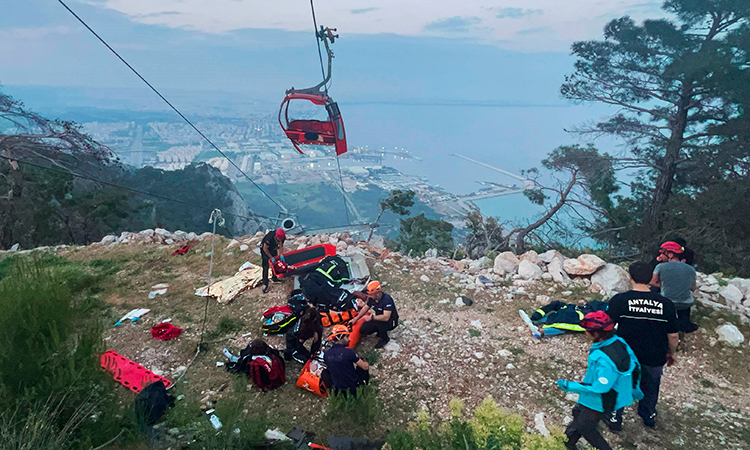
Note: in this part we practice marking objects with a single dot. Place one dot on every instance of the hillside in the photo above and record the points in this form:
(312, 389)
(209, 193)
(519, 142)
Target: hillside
(440, 352)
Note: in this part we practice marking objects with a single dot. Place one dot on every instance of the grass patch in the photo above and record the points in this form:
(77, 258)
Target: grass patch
(371, 356)
(354, 413)
(516, 351)
(227, 325)
(474, 333)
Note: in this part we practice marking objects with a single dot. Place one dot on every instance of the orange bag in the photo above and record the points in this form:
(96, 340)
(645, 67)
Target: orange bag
(331, 318)
(355, 334)
(308, 380)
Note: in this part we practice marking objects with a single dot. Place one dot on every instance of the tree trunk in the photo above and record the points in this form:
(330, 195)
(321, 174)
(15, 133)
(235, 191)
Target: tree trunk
(668, 164)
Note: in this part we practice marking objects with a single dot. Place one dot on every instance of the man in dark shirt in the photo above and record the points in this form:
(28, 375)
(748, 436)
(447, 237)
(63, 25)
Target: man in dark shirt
(384, 317)
(271, 247)
(347, 370)
(648, 323)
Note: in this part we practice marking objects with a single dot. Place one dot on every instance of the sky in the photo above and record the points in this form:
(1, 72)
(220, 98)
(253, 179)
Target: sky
(390, 50)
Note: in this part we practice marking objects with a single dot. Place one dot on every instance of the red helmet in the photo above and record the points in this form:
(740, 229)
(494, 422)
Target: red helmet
(281, 234)
(597, 320)
(672, 246)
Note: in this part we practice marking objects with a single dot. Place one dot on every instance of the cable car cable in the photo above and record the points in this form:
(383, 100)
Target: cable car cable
(170, 104)
(317, 41)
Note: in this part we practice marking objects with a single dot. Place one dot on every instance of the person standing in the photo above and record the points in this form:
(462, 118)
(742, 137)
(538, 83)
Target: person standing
(677, 281)
(347, 370)
(647, 321)
(611, 381)
(384, 317)
(271, 247)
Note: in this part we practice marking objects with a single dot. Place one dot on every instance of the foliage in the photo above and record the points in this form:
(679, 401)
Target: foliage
(419, 234)
(50, 342)
(353, 412)
(490, 428)
(397, 202)
(484, 234)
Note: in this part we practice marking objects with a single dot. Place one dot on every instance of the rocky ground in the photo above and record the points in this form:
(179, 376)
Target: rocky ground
(444, 347)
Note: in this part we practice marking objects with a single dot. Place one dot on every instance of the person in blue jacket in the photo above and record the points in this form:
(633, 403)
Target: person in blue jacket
(612, 381)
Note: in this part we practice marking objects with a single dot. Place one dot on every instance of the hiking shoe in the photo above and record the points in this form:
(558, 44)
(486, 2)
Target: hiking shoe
(692, 328)
(265, 289)
(613, 423)
(381, 343)
(650, 421)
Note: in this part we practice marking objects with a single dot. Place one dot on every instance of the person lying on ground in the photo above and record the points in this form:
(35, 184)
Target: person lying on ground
(308, 327)
(347, 370)
(271, 248)
(611, 381)
(648, 323)
(677, 280)
(384, 317)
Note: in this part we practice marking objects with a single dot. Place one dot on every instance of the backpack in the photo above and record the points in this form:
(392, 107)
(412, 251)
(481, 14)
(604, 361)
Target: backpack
(267, 372)
(335, 269)
(278, 320)
(264, 366)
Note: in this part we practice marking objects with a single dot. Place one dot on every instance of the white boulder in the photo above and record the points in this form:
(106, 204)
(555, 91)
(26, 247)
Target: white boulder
(742, 284)
(730, 334)
(431, 253)
(732, 294)
(528, 270)
(530, 256)
(612, 277)
(506, 262)
(555, 268)
(549, 255)
(109, 239)
(583, 265)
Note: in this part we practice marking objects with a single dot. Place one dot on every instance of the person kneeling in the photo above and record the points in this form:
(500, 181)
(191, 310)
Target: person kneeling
(347, 370)
(308, 327)
(612, 381)
(384, 318)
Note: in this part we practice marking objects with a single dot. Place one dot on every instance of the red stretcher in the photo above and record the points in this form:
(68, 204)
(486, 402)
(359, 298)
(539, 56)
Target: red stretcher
(302, 260)
(129, 373)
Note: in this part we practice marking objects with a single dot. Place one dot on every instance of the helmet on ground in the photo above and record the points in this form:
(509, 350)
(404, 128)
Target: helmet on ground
(372, 287)
(671, 246)
(597, 320)
(339, 331)
(281, 234)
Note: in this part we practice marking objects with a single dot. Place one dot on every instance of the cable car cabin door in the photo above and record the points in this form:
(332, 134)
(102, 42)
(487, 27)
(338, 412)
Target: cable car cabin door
(314, 132)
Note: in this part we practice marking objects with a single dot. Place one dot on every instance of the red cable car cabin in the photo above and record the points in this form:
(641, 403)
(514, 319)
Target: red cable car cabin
(314, 132)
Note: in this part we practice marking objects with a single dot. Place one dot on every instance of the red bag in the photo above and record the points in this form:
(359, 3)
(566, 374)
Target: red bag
(182, 250)
(165, 331)
(265, 375)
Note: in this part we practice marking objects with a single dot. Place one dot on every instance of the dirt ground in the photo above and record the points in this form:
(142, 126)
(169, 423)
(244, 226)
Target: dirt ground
(439, 351)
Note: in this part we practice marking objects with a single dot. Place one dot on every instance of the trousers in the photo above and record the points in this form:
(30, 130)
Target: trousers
(381, 328)
(585, 424)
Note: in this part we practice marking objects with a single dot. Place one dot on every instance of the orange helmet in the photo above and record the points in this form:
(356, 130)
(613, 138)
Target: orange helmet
(339, 331)
(372, 287)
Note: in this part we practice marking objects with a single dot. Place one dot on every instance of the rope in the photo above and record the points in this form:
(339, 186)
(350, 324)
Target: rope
(215, 218)
(317, 40)
(171, 105)
(138, 191)
(343, 192)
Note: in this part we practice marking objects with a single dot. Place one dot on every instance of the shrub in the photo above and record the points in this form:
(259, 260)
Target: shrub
(360, 411)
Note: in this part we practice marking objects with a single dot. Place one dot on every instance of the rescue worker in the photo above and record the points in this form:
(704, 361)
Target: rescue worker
(384, 317)
(308, 327)
(271, 248)
(648, 323)
(676, 280)
(346, 369)
(611, 381)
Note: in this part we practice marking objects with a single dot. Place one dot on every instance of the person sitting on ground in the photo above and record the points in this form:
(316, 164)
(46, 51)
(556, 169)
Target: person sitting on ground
(346, 369)
(271, 248)
(307, 327)
(677, 281)
(648, 323)
(611, 381)
(384, 317)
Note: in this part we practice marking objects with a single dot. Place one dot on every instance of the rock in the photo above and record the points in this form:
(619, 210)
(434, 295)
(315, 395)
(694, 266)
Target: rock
(505, 262)
(742, 284)
(464, 301)
(476, 324)
(531, 256)
(14, 247)
(731, 294)
(405, 270)
(479, 355)
(542, 300)
(504, 353)
(546, 276)
(571, 397)
(163, 232)
(377, 242)
(168, 241)
(528, 270)
(612, 277)
(417, 361)
(549, 255)
(392, 347)
(710, 288)
(109, 239)
(583, 265)
(431, 253)
(510, 366)
(178, 372)
(730, 334)
(233, 243)
(341, 246)
(555, 269)
(191, 236)
(244, 247)
(425, 278)
(148, 233)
